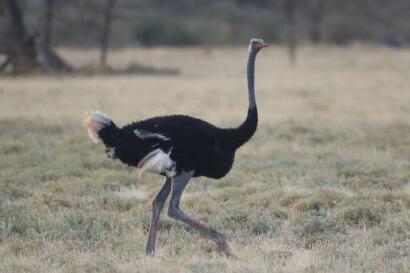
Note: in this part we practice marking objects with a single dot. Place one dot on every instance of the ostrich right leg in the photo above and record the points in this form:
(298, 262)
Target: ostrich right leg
(157, 206)
(178, 185)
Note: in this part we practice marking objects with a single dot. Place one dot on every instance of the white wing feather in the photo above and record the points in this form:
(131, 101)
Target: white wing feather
(142, 134)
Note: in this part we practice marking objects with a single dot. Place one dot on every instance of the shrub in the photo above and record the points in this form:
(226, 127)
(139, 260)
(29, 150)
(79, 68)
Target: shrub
(237, 220)
(320, 200)
(316, 227)
(262, 226)
(254, 224)
(7, 149)
(154, 32)
(287, 199)
(14, 221)
(365, 214)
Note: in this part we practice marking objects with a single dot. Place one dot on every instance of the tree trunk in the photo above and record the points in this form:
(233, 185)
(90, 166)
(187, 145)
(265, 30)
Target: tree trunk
(317, 11)
(24, 53)
(21, 48)
(290, 9)
(109, 6)
(18, 27)
(49, 15)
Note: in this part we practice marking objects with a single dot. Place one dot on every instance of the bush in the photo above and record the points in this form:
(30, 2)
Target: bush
(316, 227)
(14, 220)
(365, 214)
(257, 224)
(318, 201)
(154, 32)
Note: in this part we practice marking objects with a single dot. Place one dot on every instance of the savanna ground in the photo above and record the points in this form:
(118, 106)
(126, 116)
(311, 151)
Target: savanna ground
(322, 187)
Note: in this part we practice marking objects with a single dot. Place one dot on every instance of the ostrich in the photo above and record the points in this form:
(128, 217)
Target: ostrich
(178, 147)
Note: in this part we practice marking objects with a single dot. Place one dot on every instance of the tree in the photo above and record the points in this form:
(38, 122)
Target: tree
(20, 48)
(49, 15)
(290, 10)
(107, 19)
(25, 52)
(316, 11)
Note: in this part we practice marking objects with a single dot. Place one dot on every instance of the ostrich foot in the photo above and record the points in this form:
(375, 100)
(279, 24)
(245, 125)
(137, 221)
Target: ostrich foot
(223, 247)
(154, 256)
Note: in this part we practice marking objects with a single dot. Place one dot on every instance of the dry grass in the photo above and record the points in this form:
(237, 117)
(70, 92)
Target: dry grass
(322, 187)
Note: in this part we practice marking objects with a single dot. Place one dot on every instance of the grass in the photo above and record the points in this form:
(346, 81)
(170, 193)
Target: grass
(322, 187)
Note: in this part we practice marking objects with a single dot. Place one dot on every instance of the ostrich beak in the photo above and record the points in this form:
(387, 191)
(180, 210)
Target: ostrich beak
(261, 45)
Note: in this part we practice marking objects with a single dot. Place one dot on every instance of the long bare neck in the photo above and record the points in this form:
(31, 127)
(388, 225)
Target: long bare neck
(251, 79)
(239, 136)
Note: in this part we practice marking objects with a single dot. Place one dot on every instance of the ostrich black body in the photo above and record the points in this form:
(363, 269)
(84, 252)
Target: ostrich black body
(193, 144)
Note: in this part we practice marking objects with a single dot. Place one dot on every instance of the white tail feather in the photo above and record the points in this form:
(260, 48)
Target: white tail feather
(94, 122)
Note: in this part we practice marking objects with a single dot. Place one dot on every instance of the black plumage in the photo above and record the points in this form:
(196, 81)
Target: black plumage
(178, 147)
(195, 145)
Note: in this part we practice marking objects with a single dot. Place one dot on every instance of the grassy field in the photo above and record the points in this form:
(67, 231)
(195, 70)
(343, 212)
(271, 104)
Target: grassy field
(322, 187)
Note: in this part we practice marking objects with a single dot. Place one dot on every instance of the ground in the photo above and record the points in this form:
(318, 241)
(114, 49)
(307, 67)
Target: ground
(322, 187)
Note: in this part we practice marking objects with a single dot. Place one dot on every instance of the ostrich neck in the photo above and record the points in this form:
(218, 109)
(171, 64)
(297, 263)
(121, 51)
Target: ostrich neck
(236, 137)
(251, 79)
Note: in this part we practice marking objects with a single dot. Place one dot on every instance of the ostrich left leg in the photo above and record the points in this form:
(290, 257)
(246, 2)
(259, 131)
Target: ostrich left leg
(157, 206)
(178, 185)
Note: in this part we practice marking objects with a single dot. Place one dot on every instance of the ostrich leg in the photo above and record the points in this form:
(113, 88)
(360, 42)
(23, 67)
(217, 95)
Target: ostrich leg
(178, 185)
(157, 206)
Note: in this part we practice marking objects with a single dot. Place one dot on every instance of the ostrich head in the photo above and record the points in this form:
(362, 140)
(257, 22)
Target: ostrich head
(256, 45)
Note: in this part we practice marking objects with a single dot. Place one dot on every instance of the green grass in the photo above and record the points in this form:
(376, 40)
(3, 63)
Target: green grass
(322, 187)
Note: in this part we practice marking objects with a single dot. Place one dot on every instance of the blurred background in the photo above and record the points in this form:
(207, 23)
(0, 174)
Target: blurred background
(31, 30)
